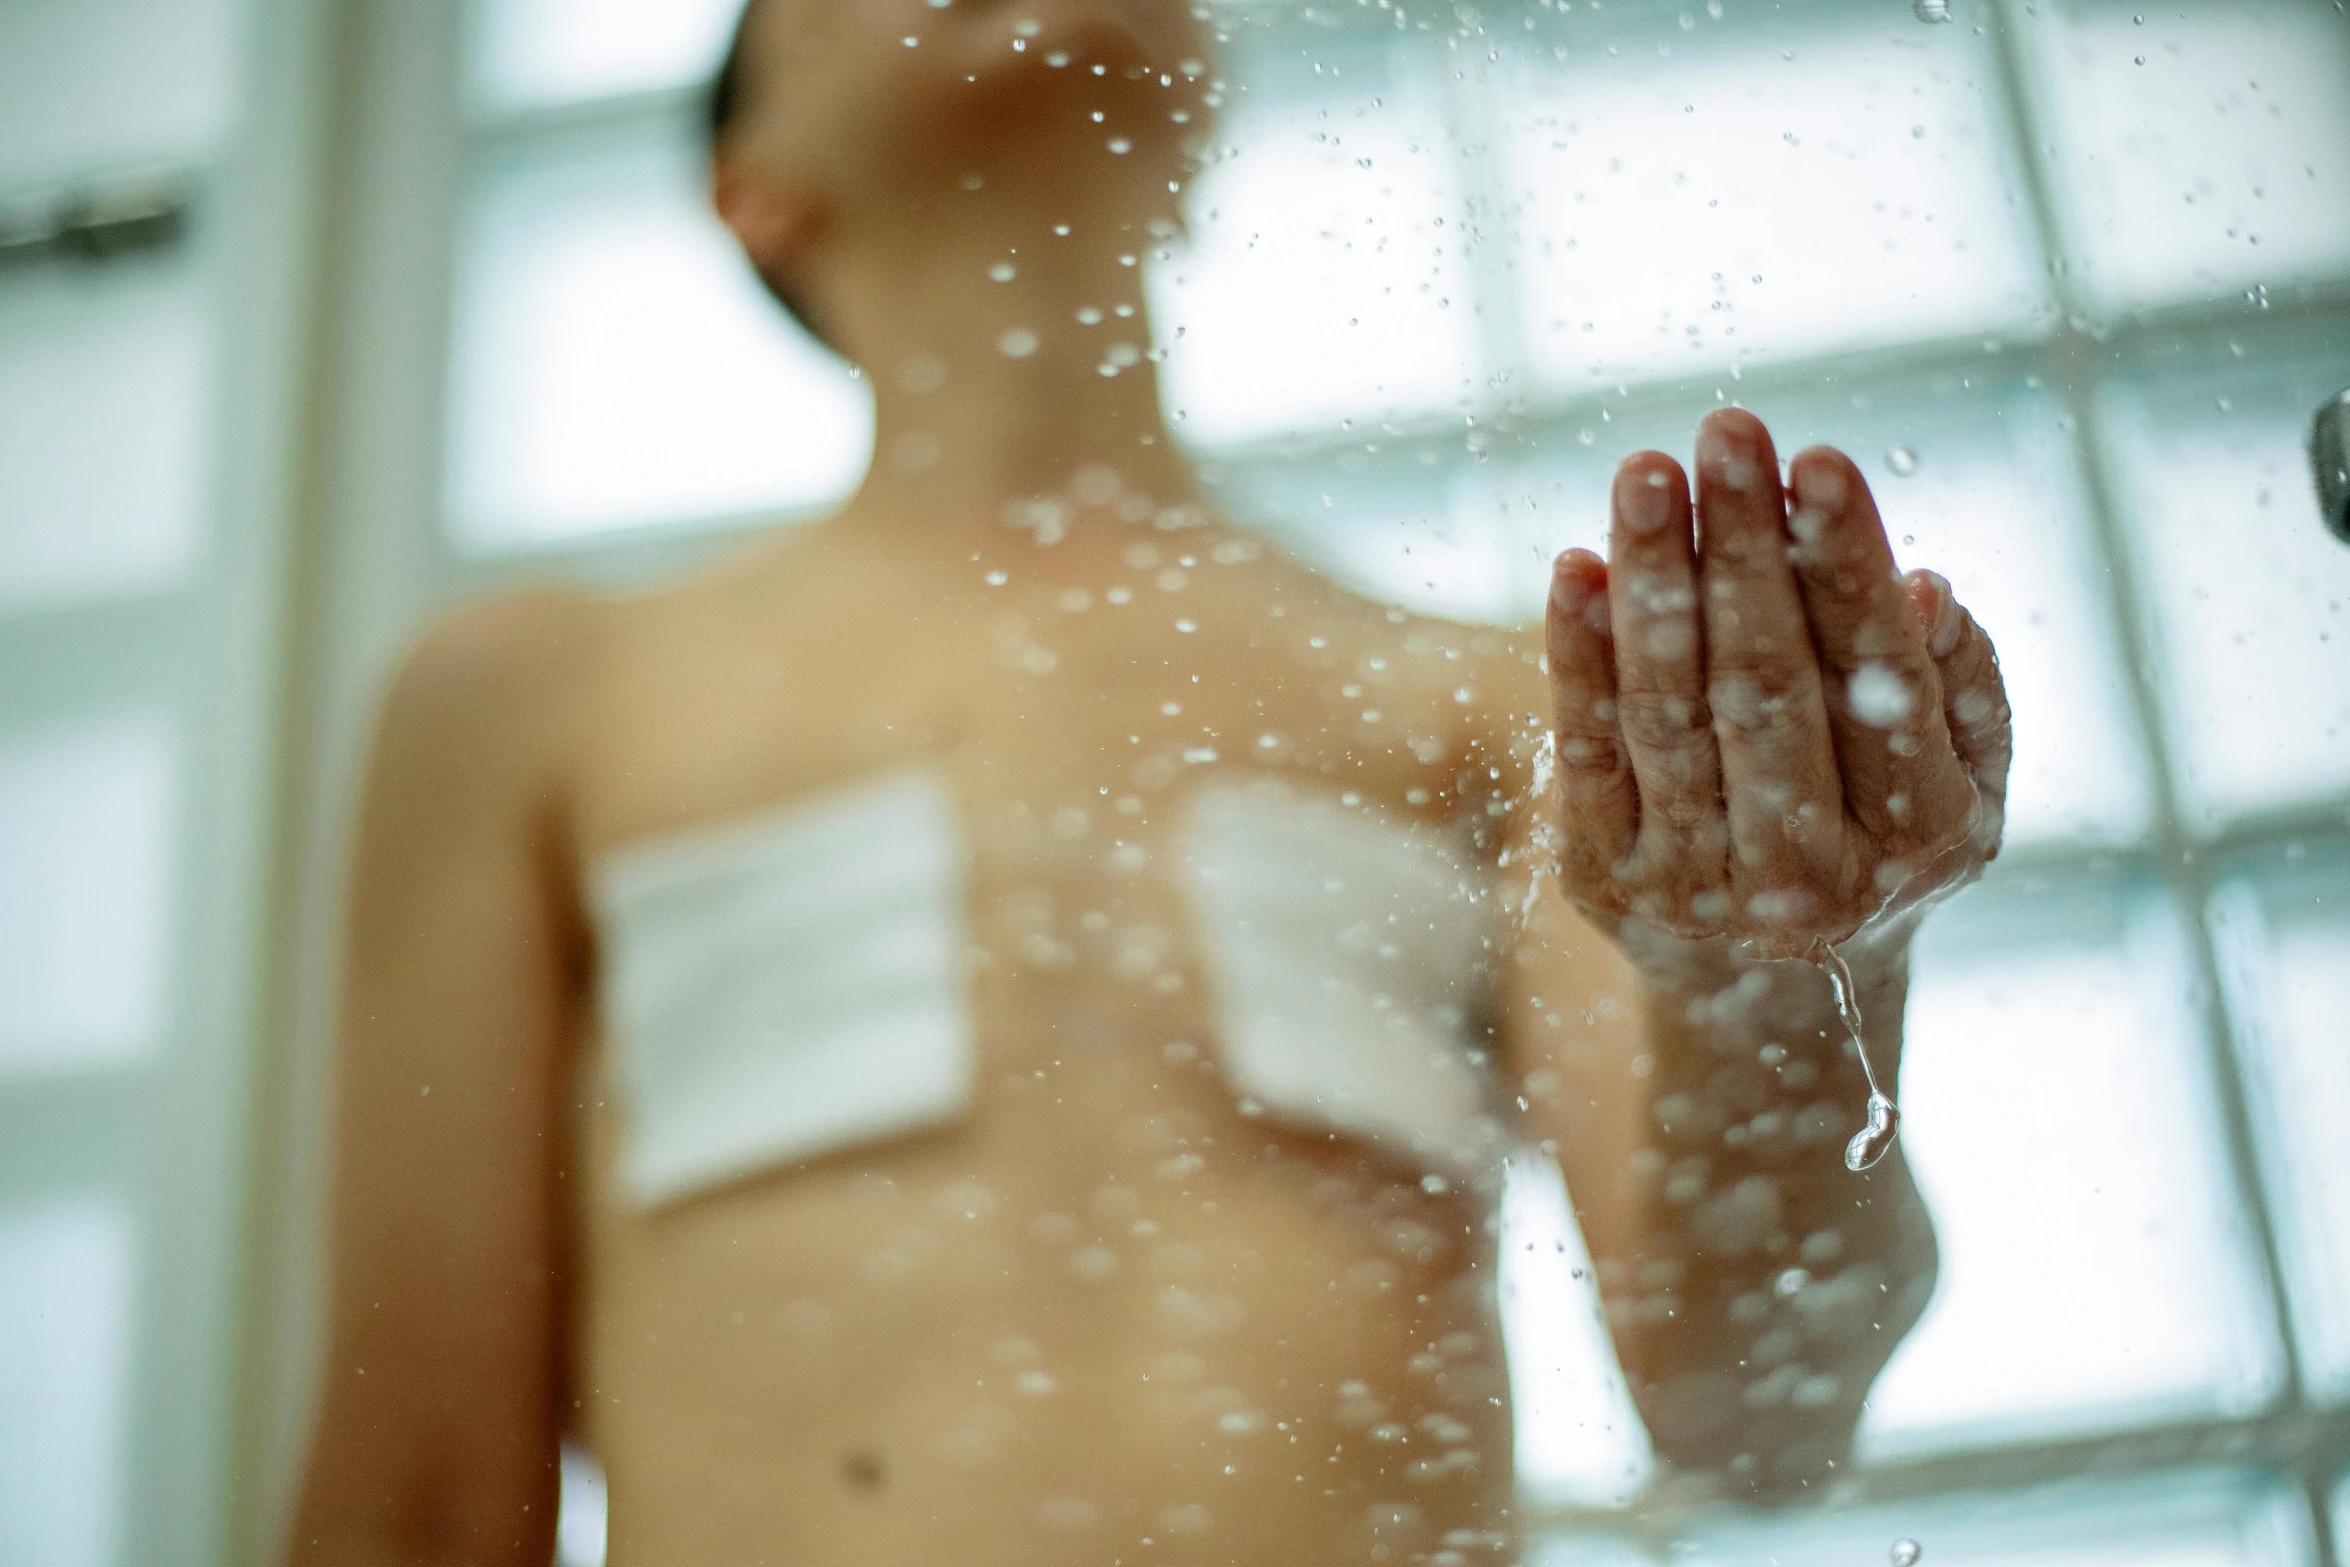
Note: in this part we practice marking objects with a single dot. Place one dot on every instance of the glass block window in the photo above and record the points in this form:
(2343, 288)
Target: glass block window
(2202, 149)
(2281, 923)
(2098, 1270)
(1325, 281)
(1757, 158)
(87, 881)
(2247, 600)
(140, 648)
(2223, 1519)
(108, 84)
(93, 368)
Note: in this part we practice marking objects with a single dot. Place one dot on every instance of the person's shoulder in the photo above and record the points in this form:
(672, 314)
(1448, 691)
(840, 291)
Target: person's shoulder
(809, 577)
(1477, 687)
(1493, 659)
(489, 686)
(483, 654)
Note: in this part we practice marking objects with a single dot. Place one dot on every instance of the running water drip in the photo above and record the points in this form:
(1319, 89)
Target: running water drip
(1870, 1143)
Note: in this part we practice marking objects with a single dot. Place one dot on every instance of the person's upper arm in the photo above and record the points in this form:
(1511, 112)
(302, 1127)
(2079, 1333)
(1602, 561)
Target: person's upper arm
(1567, 1004)
(437, 1428)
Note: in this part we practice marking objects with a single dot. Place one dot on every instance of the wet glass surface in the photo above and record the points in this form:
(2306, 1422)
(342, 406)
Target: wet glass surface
(2066, 278)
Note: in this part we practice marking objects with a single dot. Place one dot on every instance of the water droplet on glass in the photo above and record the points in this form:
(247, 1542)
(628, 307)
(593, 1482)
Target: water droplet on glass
(1905, 1552)
(1879, 697)
(1931, 10)
(1903, 460)
(1871, 1142)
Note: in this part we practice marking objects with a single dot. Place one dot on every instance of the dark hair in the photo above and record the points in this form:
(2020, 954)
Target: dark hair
(725, 106)
(726, 90)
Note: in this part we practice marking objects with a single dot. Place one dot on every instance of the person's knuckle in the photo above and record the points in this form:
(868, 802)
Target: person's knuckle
(1764, 694)
(1662, 720)
(1751, 546)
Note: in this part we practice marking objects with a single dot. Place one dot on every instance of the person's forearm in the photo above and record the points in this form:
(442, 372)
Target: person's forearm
(1754, 1284)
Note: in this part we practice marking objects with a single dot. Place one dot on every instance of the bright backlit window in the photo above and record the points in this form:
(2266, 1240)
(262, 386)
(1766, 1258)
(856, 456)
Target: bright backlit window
(2248, 600)
(86, 883)
(2204, 148)
(617, 364)
(540, 52)
(67, 1269)
(107, 84)
(1325, 281)
(2097, 1270)
(92, 368)
(1753, 190)
(2283, 933)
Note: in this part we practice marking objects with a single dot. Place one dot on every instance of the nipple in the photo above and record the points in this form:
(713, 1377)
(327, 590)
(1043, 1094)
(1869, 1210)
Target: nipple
(1871, 1142)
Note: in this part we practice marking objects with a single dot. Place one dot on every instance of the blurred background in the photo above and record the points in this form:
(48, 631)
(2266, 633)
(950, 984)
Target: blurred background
(316, 315)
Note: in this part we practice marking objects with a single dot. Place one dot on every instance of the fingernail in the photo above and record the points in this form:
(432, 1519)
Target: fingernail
(1942, 636)
(1820, 486)
(1728, 455)
(1568, 590)
(1644, 500)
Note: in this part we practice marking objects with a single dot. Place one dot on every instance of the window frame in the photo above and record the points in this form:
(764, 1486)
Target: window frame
(168, 1133)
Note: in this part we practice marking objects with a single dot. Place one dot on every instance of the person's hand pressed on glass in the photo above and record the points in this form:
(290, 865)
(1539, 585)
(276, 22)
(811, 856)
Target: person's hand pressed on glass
(1767, 735)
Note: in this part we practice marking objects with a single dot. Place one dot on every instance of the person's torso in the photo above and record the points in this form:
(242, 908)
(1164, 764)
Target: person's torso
(1032, 1105)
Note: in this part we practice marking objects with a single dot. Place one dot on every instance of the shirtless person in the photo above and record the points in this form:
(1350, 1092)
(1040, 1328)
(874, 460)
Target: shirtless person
(982, 1030)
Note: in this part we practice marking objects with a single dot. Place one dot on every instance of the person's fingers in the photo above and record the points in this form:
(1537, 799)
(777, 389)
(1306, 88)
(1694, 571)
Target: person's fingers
(1779, 778)
(1902, 779)
(1974, 697)
(1660, 689)
(1595, 774)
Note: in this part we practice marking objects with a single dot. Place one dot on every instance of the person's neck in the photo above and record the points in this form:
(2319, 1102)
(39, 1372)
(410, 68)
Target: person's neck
(1011, 410)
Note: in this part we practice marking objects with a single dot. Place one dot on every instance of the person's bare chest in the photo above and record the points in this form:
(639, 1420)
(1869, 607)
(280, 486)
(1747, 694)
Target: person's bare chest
(1025, 819)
